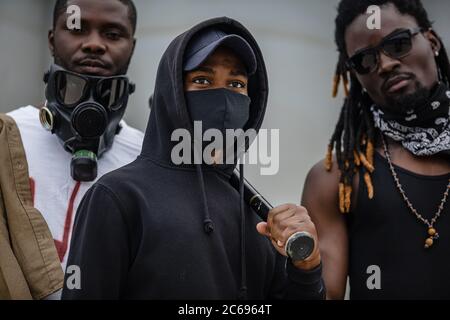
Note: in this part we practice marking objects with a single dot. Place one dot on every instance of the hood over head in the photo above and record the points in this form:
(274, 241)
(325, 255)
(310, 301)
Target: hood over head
(168, 107)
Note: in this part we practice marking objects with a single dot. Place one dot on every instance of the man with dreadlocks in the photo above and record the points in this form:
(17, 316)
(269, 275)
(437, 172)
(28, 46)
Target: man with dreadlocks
(379, 202)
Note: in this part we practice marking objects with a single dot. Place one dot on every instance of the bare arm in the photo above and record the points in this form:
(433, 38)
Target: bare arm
(320, 198)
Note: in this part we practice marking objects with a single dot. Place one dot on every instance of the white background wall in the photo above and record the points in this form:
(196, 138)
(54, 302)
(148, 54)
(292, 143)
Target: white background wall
(296, 37)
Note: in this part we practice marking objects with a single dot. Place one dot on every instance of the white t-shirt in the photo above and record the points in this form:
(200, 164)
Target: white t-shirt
(55, 194)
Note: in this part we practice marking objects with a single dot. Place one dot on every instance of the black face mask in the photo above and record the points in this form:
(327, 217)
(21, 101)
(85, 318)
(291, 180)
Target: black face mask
(84, 112)
(219, 109)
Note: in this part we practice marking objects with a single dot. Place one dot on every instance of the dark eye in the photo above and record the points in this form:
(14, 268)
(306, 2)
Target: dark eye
(398, 46)
(237, 84)
(112, 35)
(201, 81)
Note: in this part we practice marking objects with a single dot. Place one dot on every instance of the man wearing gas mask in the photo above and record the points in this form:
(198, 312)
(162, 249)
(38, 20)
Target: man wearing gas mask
(78, 135)
(155, 229)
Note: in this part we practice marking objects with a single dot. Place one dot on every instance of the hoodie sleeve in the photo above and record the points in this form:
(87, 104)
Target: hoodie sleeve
(99, 253)
(290, 283)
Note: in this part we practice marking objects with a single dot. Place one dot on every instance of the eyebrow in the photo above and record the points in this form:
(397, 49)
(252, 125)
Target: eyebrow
(239, 72)
(204, 69)
(105, 25)
(395, 31)
(236, 72)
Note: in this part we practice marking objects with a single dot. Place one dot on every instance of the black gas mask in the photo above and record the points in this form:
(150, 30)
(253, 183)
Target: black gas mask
(84, 112)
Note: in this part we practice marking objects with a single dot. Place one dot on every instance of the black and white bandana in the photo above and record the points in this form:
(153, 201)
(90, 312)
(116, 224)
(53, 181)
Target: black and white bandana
(423, 132)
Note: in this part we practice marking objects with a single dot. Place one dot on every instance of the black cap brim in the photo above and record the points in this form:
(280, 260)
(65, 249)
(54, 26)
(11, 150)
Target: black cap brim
(238, 44)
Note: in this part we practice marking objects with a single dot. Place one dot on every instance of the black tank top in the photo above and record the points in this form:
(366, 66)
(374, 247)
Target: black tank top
(384, 234)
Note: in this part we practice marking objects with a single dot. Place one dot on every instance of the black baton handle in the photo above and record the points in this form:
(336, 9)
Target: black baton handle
(300, 245)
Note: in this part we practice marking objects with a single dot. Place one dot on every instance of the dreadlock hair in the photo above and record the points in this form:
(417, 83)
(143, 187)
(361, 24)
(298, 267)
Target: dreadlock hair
(354, 136)
(61, 7)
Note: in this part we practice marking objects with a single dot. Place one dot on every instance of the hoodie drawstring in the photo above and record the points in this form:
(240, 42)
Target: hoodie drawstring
(208, 224)
(243, 289)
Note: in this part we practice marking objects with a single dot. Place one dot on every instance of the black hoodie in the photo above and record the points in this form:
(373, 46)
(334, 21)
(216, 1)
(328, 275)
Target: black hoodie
(141, 232)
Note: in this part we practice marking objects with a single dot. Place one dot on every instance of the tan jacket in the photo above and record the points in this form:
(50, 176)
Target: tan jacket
(29, 263)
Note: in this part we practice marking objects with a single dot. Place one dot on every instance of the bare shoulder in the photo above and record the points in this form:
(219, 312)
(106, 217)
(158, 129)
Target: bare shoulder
(322, 185)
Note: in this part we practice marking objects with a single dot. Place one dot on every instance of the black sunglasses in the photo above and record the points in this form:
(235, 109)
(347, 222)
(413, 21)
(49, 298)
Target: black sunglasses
(396, 45)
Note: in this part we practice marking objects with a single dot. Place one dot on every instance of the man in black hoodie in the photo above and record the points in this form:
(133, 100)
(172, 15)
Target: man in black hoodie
(156, 230)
